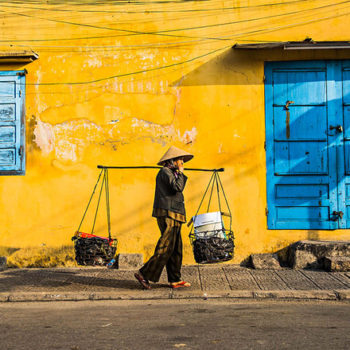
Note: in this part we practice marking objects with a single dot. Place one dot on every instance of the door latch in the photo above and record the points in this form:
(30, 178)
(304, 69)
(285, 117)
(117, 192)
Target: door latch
(338, 128)
(286, 106)
(336, 215)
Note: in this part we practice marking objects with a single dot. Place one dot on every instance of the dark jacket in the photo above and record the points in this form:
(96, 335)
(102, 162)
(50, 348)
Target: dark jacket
(169, 189)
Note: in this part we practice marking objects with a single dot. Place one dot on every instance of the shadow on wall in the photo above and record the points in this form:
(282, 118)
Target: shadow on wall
(246, 67)
(229, 68)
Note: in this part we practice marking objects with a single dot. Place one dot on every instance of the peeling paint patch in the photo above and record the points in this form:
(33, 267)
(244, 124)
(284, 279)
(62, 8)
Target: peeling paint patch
(44, 136)
(93, 62)
(66, 150)
(147, 56)
(68, 140)
(189, 136)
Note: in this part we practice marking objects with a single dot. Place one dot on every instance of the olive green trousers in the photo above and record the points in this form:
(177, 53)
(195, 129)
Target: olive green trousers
(168, 252)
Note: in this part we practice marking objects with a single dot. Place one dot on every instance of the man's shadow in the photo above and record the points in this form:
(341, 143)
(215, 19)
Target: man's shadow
(61, 280)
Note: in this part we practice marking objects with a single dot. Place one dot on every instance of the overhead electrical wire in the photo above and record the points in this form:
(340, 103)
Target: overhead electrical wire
(212, 12)
(163, 11)
(112, 3)
(83, 6)
(228, 37)
(68, 39)
(186, 61)
(133, 73)
(185, 45)
(166, 32)
(130, 32)
(110, 49)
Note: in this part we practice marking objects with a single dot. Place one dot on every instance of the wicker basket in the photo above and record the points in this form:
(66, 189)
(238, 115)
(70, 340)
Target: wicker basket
(210, 241)
(92, 250)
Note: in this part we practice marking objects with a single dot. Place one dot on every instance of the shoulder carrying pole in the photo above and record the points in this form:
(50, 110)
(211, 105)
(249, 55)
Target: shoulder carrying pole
(156, 167)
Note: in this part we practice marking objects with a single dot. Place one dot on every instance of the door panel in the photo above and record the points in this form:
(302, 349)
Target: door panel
(303, 86)
(343, 144)
(301, 154)
(309, 123)
(307, 191)
(301, 157)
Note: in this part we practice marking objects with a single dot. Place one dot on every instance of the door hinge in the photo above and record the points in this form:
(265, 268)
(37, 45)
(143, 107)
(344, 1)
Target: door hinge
(20, 151)
(22, 74)
(20, 93)
(265, 145)
(264, 78)
(266, 211)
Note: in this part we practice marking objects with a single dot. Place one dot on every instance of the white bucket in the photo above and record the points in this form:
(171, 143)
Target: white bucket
(208, 225)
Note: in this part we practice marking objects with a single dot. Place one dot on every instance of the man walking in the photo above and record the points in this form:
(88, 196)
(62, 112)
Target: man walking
(169, 209)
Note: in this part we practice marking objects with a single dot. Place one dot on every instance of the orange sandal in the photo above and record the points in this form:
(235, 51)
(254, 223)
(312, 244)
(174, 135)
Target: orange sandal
(180, 284)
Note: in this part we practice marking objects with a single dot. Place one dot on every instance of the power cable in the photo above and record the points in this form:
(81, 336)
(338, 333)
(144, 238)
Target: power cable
(132, 73)
(113, 36)
(173, 43)
(166, 32)
(183, 62)
(164, 11)
(195, 58)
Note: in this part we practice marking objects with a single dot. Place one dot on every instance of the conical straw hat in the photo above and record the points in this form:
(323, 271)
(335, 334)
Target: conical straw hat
(174, 152)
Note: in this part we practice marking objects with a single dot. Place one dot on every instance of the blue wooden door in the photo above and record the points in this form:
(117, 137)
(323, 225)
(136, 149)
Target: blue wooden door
(305, 147)
(12, 160)
(343, 141)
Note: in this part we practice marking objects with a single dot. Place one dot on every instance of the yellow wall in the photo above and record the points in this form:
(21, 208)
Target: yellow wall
(177, 84)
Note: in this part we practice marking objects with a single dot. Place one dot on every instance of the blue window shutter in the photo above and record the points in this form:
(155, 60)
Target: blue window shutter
(12, 97)
(301, 183)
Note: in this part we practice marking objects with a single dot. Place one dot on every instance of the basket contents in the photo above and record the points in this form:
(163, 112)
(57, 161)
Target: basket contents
(91, 250)
(212, 250)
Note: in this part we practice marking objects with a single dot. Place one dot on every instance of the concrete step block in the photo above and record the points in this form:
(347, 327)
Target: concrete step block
(311, 254)
(130, 261)
(265, 261)
(3, 263)
(337, 263)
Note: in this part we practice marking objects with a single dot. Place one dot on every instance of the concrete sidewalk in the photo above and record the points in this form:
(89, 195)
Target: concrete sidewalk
(208, 281)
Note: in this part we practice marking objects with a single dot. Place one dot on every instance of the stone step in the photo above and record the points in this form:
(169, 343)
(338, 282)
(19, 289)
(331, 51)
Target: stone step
(312, 254)
(265, 261)
(129, 261)
(3, 263)
(337, 263)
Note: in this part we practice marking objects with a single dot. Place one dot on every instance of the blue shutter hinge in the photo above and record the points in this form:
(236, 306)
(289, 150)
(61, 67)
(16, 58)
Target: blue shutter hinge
(265, 145)
(20, 151)
(20, 93)
(22, 74)
(266, 211)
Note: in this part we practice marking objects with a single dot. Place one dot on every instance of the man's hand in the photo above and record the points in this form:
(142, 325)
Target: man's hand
(181, 169)
(179, 164)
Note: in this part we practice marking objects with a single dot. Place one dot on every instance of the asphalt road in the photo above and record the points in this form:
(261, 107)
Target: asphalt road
(175, 324)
